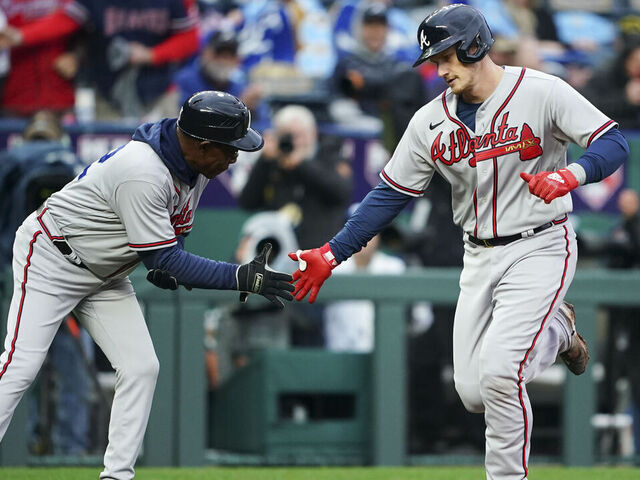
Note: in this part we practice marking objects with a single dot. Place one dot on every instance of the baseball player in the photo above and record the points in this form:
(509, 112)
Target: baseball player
(134, 204)
(499, 136)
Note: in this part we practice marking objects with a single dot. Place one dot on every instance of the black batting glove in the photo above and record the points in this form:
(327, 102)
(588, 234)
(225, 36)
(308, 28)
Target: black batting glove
(256, 277)
(162, 279)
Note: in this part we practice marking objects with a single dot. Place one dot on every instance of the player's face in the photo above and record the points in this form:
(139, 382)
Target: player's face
(213, 158)
(458, 76)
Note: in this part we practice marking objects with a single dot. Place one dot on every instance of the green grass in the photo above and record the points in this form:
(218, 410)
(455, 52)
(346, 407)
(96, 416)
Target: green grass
(237, 473)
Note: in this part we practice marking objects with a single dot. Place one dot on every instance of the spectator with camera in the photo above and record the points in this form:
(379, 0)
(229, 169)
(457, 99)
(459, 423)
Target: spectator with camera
(299, 169)
(304, 175)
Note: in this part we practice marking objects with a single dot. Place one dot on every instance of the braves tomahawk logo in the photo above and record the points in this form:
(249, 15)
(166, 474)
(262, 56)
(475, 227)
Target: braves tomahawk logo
(503, 141)
(424, 41)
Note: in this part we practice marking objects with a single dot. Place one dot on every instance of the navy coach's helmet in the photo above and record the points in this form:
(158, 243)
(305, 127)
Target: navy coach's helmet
(459, 25)
(219, 117)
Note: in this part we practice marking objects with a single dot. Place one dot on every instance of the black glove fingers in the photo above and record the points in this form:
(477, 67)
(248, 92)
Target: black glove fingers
(275, 300)
(277, 291)
(282, 286)
(281, 276)
(162, 279)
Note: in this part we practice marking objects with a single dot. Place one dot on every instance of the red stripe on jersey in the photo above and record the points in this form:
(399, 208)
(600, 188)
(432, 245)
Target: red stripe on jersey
(464, 128)
(24, 293)
(495, 196)
(508, 99)
(398, 186)
(533, 344)
(44, 227)
(495, 163)
(562, 220)
(595, 134)
(153, 244)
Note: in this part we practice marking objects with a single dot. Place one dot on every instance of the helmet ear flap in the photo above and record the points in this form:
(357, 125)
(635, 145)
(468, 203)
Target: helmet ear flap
(474, 51)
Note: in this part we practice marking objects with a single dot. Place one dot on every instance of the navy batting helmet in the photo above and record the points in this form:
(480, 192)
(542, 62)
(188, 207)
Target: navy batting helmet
(219, 117)
(459, 25)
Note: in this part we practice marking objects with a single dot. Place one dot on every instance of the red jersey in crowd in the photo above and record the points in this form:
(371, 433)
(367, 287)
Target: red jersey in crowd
(33, 83)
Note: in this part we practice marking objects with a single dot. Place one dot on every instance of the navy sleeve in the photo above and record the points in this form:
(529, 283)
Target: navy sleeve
(604, 155)
(379, 207)
(190, 269)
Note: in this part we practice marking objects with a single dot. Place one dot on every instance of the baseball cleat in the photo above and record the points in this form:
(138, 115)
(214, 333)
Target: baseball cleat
(577, 356)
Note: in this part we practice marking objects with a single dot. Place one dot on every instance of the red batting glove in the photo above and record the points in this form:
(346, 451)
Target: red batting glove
(314, 267)
(550, 185)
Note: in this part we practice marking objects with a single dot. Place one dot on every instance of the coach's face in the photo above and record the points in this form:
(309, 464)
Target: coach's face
(458, 75)
(211, 159)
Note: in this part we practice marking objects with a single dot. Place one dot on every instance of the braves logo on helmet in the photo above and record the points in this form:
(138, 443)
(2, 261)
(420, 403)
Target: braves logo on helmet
(424, 41)
(460, 25)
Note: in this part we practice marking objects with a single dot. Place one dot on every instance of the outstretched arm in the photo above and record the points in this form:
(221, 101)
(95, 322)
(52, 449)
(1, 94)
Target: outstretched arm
(172, 266)
(379, 207)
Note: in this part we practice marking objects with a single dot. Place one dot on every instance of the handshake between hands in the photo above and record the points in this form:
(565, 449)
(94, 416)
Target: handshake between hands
(314, 267)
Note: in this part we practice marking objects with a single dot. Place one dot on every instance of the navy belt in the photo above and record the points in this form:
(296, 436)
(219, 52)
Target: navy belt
(499, 241)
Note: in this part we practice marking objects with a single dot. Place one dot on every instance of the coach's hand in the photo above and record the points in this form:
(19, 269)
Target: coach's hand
(550, 185)
(257, 277)
(314, 267)
(163, 279)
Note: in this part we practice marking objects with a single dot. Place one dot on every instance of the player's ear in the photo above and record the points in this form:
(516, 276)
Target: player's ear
(204, 145)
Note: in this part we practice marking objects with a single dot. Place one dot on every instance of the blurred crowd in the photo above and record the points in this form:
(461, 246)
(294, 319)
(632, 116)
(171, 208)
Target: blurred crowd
(106, 60)
(301, 65)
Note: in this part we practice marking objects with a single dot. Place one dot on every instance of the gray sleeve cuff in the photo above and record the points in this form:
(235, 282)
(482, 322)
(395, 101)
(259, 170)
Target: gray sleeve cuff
(578, 172)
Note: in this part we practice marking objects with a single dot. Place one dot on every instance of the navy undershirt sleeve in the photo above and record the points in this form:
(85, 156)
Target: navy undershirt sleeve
(604, 155)
(190, 269)
(379, 207)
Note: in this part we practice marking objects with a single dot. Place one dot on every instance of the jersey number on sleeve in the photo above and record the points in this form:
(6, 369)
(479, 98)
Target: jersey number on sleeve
(103, 159)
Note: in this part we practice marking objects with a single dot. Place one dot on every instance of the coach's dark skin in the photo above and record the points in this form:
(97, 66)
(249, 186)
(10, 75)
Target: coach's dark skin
(206, 157)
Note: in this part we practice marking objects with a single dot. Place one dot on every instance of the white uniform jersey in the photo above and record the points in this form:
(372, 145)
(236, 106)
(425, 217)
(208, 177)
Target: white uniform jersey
(125, 202)
(525, 125)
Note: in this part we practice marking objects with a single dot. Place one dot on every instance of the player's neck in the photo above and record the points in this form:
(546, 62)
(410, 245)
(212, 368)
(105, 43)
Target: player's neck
(489, 75)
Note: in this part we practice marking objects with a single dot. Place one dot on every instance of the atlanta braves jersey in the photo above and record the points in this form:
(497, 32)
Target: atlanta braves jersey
(125, 202)
(525, 125)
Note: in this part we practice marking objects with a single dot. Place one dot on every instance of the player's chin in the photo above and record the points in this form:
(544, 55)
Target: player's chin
(214, 172)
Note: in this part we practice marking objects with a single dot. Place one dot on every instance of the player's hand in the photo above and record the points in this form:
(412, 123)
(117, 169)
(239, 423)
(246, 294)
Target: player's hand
(257, 277)
(66, 65)
(550, 185)
(139, 54)
(314, 267)
(10, 37)
(163, 279)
